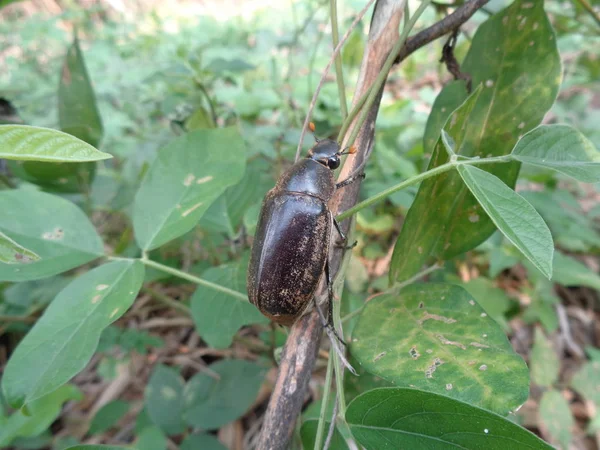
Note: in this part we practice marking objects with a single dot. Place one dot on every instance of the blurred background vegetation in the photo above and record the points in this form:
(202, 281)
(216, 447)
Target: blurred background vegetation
(160, 68)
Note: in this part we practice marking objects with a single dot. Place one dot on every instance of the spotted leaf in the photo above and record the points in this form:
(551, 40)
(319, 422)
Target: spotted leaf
(435, 337)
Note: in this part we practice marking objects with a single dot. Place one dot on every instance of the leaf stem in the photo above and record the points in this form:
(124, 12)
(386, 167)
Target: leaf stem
(324, 402)
(193, 279)
(418, 178)
(339, 74)
(339, 385)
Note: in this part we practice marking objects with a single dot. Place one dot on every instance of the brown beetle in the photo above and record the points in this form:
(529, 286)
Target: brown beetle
(291, 244)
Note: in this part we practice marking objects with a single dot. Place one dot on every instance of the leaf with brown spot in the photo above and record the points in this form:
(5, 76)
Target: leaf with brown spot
(467, 351)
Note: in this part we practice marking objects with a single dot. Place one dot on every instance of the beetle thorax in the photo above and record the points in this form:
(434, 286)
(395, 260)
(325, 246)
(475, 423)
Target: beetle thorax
(308, 177)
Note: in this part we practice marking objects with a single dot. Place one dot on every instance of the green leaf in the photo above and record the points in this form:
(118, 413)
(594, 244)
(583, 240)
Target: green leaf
(308, 434)
(212, 402)
(521, 62)
(77, 111)
(13, 253)
(201, 118)
(151, 438)
(544, 362)
(53, 228)
(407, 259)
(99, 447)
(570, 272)
(163, 398)
(561, 148)
(202, 441)
(449, 99)
(587, 380)
(493, 300)
(26, 143)
(399, 418)
(41, 413)
(108, 416)
(217, 315)
(513, 215)
(435, 337)
(64, 339)
(187, 176)
(555, 416)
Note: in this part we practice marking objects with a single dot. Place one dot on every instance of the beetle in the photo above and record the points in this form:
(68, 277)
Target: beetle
(291, 245)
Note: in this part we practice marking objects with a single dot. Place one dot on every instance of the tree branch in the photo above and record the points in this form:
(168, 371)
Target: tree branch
(298, 358)
(448, 24)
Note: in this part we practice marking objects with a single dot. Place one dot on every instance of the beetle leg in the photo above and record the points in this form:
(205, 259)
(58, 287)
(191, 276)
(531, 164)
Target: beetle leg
(330, 324)
(351, 179)
(343, 236)
(339, 230)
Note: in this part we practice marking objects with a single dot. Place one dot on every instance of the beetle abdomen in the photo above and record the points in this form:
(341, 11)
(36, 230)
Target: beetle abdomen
(288, 255)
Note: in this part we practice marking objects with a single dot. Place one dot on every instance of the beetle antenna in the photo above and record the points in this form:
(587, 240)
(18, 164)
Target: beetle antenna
(348, 150)
(311, 127)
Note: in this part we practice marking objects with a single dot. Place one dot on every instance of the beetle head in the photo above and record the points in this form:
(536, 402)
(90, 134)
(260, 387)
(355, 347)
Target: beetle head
(326, 152)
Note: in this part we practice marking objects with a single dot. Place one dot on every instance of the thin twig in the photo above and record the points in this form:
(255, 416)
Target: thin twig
(590, 9)
(336, 51)
(441, 28)
(331, 425)
(339, 73)
(563, 320)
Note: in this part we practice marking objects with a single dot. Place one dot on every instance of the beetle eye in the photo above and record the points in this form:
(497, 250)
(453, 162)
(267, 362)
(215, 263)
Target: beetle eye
(333, 163)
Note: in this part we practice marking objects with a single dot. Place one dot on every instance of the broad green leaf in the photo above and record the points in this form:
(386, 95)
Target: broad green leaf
(587, 380)
(435, 337)
(163, 398)
(407, 260)
(212, 402)
(25, 143)
(308, 434)
(562, 148)
(201, 118)
(555, 416)
(570, 272)
(99, 447)
(492, 299)
(502, 258)
(571, 228)
(450, 98)
(513, 215)
(151, 438)
(225, 215)
(201, 441)
(519, 79)
(217, 315)
(400, 418)
(13, 253)
(544, 362)
(108, 416)
(68, 178)
(52, 227)
(77, 111)
(41, 413)
(187, 176)
(77, 116)
(64, 339)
